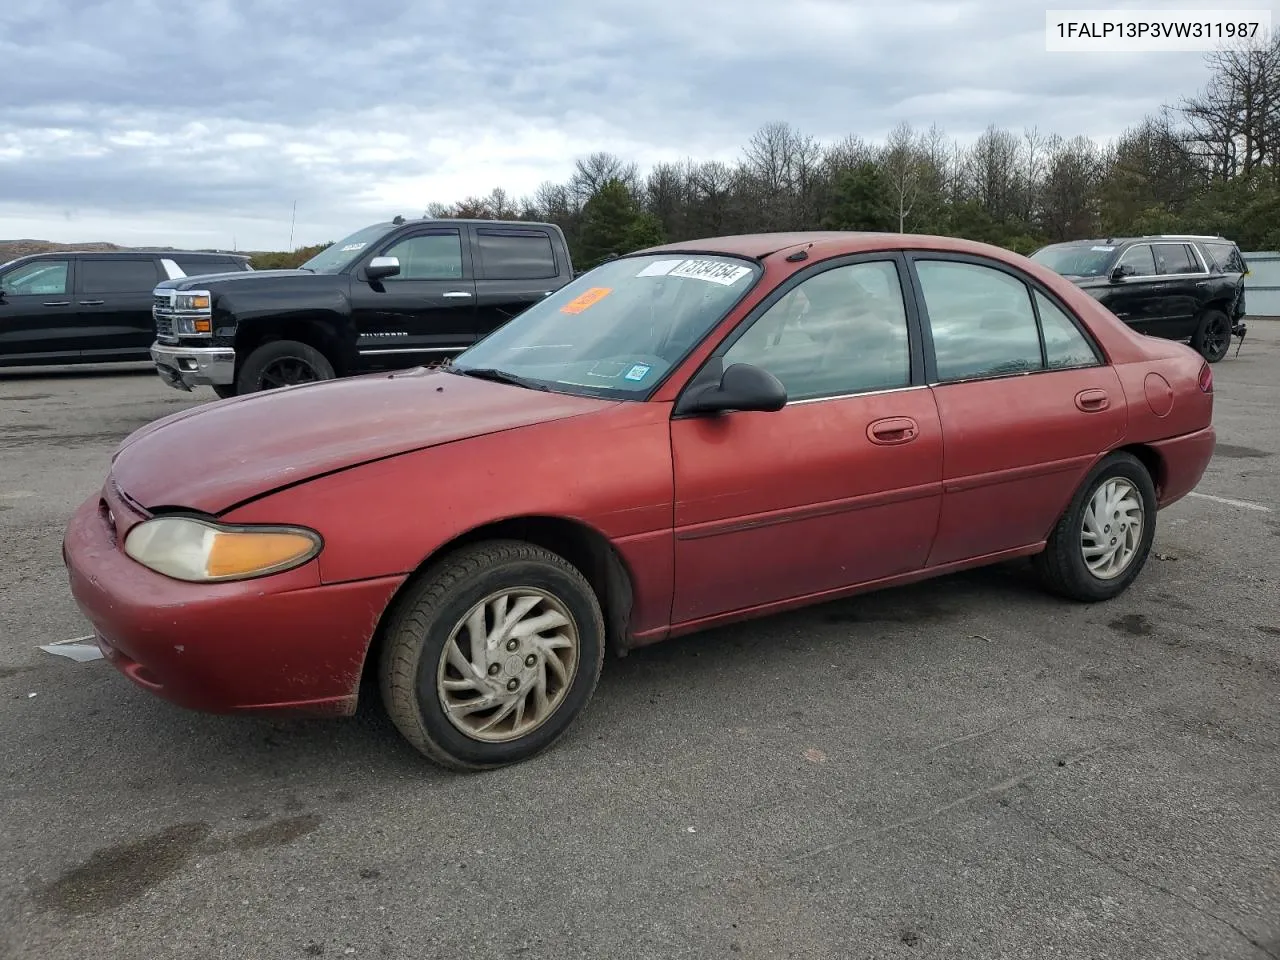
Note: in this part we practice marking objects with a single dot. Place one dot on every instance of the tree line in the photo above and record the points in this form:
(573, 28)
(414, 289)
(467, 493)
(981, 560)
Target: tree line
(1208, 164)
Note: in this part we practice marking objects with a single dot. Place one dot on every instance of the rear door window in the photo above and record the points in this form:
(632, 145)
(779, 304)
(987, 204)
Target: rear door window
(118, 276)
(1175, 258)
(508, 255)
(981, 319)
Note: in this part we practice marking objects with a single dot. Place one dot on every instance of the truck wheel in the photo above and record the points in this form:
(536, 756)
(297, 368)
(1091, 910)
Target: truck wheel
(1212, 339)
(282, 363)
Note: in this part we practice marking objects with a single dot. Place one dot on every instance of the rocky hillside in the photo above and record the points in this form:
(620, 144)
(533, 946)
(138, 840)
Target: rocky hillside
(20, 248)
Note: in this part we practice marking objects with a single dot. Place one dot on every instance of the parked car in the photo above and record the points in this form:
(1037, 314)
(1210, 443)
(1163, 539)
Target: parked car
(68, 307)
(1178, 287)
(390, 296)
(692, 435)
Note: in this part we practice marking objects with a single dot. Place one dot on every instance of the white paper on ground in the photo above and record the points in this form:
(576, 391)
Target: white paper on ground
(74, 649)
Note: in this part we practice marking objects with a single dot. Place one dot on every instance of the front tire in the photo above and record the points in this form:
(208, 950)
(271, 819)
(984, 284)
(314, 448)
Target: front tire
(282, 363)
(491, 655)
(1212, 338)
(1102, 542)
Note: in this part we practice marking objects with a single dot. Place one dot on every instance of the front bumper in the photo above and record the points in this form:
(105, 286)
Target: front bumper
(282, 643)
(185, 367)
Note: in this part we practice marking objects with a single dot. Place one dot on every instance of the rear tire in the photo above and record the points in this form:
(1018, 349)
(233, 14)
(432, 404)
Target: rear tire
(444, 648)
(1212, 338)
(282, 363)
(1093, 553)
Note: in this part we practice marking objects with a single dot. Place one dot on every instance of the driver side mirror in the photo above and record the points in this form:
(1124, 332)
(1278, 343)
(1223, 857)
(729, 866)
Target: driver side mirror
(741, 387)
(1122, 271)
(380, 268)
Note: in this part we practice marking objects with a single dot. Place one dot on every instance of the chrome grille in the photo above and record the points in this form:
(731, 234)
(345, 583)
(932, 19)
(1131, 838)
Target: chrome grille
(162, 312)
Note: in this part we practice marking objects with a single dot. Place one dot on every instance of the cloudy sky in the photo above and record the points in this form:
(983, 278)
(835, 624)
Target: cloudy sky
(200, 124)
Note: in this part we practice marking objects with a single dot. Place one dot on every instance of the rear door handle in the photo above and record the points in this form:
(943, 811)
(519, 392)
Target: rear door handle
(57, 303)
(1091, 401)
(92, 303)
(457, 294)
(892, 430)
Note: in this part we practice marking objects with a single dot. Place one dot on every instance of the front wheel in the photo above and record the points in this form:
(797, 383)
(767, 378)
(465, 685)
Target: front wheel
(1212, 338)
(1102, 542)
(491, 655)
(282, 363)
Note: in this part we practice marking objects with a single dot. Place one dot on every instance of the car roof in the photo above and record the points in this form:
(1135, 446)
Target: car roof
(112, 254)
(825, 243)
(1149, 238)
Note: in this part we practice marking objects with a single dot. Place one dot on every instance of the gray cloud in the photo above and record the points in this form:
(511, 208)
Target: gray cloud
(177, 118)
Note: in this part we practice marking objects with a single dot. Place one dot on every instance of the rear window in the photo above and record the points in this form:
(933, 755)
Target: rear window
(1226, 256)
(203, 266)
(1076, 259)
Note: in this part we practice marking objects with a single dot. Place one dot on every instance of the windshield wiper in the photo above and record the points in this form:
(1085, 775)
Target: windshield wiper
(498, 376)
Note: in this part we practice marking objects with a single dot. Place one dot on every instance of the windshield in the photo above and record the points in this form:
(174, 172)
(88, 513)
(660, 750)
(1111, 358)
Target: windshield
(1076, 259)
(617, 330)
(338, 256)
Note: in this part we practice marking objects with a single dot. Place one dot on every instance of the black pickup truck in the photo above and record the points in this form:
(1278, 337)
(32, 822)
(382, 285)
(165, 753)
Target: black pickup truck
(393, 295)
(1176, 287)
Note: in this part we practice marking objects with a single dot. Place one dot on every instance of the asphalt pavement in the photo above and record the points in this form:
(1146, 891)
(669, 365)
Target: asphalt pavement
(963, 768)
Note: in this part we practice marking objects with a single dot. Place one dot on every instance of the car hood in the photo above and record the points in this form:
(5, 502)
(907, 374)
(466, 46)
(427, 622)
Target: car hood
(219, 455)
(217, 281)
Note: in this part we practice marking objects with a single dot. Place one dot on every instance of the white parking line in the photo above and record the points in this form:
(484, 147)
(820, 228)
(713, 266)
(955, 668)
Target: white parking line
(1232, 503)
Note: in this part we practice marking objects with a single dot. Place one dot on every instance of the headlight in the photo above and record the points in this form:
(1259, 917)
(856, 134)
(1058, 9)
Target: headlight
(191, 301)
(201, 551)
(192, 326)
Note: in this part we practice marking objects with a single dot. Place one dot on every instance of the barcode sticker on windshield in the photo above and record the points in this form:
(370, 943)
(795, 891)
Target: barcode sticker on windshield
(582, 301)
(713, 271)
(353, 246)
(1103, 249)
(659, 268)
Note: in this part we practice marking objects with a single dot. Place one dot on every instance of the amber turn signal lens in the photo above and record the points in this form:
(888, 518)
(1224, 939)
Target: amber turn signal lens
(200, 303)
(203, 326)
(234, 554)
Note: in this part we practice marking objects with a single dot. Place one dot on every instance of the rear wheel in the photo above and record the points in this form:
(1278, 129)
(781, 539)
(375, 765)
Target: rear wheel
(1213, 336)
(490, 657)
(1103, 540)
(282, 363)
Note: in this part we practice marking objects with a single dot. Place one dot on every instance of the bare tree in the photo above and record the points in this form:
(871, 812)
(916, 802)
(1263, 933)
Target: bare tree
(900, 161)
(1068, 200)
(593, 172)
(1035, 154)
(993, 169)
(1235, 121)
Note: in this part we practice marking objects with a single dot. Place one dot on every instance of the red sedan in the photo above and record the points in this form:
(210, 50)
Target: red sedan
(690, 435)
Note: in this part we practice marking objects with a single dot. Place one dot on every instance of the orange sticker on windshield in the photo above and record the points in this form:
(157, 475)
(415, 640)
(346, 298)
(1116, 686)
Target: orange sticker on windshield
(581, 302)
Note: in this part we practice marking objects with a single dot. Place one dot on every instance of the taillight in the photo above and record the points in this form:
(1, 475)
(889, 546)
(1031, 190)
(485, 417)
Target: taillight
(1206, 378)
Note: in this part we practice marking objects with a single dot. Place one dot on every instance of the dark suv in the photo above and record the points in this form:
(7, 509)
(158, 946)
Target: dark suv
(91, 307)
(1176, 287)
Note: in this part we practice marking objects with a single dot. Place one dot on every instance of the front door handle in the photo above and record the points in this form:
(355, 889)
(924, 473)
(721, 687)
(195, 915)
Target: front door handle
(57, 303)
(1091, 401)
(893, 430)
(457, 293)
(92, 303)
